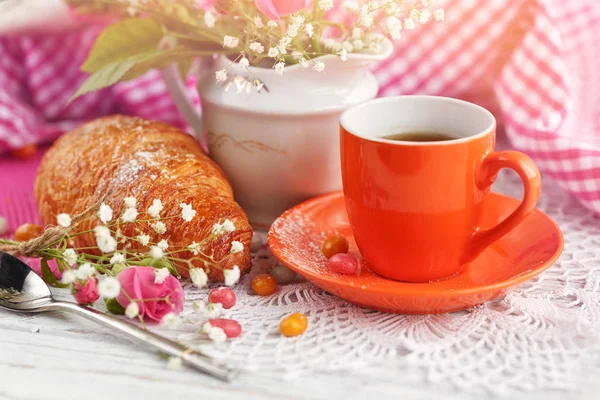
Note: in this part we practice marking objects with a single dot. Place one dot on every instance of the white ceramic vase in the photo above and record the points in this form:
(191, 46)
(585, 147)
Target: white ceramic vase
(278, 147)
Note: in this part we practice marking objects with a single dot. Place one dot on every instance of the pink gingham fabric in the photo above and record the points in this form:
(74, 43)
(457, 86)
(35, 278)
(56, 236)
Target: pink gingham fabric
(533, 63)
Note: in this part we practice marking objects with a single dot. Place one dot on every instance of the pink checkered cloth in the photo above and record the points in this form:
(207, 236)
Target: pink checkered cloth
(533, 63)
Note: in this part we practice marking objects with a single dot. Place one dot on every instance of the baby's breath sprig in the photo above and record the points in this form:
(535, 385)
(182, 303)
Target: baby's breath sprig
(115, 250)
(247, 34)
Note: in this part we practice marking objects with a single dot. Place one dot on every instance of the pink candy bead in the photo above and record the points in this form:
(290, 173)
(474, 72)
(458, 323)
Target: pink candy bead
(343, 264)
(231, 328)
(222, 295)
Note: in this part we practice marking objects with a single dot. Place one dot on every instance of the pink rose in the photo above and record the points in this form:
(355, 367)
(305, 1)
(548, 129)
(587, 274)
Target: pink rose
(275, 9)
(86, 293)
(139, 284)
(36, 265)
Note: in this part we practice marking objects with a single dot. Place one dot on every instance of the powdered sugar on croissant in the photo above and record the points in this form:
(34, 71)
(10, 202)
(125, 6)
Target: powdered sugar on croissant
(124, 157)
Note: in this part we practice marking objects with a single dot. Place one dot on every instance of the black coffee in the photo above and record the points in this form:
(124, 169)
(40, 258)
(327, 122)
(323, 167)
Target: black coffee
(420, 137)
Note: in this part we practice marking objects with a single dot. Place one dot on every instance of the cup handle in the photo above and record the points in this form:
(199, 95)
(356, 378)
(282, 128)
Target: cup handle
(532, 184)
(176, 89)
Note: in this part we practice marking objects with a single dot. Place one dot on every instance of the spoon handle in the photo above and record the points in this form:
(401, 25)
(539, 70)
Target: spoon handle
(170, 347)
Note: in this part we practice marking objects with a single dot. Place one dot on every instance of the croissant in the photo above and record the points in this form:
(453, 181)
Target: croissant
(116, 157)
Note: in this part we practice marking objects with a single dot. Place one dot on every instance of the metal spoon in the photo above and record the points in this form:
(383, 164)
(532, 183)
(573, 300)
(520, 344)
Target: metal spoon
(22, 290)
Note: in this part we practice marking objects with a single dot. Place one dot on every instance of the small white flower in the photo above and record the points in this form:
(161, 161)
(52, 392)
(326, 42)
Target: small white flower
(272, 24)
(163, 244)
(199, 277)
(236, 247)
(221, 75)
(217, 229)
(63, 220)
(351, 6)
(424, 16)
(228, 226)
(356, 33)
(319, 66)
(409, 24)
(109, 287)
(230, 42)
(85, 272)
(217, 335)
(68, 277)
(257, 47)
(130, 202)
(106, 243)
(331, 44)
(426, 3)
(105, 213)
(194, 248)
(132, 310)
(439, 14)
(207, 326)
(143, 239)
(304, 62)
(258, 22)
(244, 62)
(174, 363)
(171, 321)
(130, 215)
(325, 4)
(283, 44)
(117, 258)
(187, 213)
(343, 55)
(159, 227)
(298, 20)
(366, 18)
(358, 44)
(160, 274)
(292, 31)
(209, 19)
(273, 52)
(70, 256)
(232, 276)
(279, 68)
(310, 30)
(156, 252)
(155, 209)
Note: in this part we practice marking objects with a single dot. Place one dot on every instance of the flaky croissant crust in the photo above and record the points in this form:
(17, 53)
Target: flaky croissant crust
(122, 156)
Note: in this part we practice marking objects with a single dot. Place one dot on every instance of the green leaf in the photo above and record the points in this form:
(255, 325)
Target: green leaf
(114, 307)
(121, 40)
(49, 277)
(159, 263)
(130, 68)
(62, 265)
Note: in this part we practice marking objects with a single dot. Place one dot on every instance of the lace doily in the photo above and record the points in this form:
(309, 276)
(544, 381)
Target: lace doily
(539, 336)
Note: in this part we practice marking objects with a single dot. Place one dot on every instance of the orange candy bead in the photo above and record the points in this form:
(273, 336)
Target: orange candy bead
(293, 325)
(28, 232)
(335, 244)
(264, 284)
(26, 152)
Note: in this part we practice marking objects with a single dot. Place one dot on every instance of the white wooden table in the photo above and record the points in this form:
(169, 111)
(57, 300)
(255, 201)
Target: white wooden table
(59, 356)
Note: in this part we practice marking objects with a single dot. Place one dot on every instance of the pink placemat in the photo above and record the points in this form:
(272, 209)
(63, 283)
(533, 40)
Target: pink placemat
(17, 203)
(534, 63)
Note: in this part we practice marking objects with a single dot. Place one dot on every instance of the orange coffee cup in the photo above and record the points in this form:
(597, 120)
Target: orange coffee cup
(415, 207)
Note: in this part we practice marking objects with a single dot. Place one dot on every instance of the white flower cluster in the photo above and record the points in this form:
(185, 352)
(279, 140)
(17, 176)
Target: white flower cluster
(210, 310)
(374, 20)
(214, 333)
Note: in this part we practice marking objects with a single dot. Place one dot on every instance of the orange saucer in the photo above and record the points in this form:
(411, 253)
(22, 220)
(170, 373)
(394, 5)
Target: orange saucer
(296, 239)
